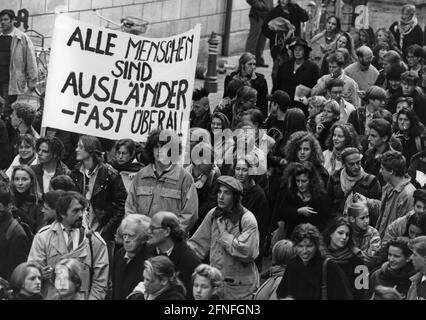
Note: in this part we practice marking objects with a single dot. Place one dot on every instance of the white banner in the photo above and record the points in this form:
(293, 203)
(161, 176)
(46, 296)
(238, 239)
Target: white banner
(117, 85)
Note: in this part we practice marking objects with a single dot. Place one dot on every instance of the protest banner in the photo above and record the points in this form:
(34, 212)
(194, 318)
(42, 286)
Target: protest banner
(116, 85)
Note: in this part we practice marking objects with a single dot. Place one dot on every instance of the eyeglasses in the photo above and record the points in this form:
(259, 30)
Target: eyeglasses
(151, 228)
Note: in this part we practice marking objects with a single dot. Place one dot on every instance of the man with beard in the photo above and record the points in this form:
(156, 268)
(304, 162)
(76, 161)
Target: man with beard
(66, 238)
(362, 71)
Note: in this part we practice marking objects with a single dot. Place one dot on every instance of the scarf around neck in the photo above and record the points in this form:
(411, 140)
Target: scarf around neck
(28, 161)
(406, 27)
(347, 182)
(339, 255)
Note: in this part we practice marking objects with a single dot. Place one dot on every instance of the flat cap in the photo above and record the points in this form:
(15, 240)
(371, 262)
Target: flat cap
(231, 183)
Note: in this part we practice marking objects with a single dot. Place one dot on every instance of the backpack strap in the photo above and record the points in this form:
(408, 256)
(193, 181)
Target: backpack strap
(324, 295)
(418, 142)
(12, 227)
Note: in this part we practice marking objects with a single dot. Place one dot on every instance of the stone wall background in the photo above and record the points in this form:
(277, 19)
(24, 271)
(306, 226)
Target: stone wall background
(169, 17)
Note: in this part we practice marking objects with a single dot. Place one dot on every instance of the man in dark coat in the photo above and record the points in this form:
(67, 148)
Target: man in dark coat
(129, 260)
(200, 116)
(167, 238)
(14, 243)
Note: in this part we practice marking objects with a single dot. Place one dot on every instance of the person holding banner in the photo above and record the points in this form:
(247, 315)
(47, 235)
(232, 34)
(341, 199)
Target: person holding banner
(101, 185)
(18, 66)
(164, 185)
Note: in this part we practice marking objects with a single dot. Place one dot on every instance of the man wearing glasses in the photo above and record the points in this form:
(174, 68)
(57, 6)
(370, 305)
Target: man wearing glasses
(167, 238)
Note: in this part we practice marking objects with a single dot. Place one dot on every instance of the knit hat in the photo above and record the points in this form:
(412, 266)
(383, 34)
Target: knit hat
(231, 183)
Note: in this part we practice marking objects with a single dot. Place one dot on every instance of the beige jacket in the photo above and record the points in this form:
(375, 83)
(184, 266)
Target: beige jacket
(23, 71)
(49, 248)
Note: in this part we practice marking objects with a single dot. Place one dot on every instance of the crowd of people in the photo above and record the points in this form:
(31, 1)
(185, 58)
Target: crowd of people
(317, 193)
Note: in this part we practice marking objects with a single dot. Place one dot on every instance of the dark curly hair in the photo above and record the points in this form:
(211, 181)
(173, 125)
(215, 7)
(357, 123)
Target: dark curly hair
(332, 226)
(306, 231)
(154, 142)
(25, 112)
(400, 243)
(295, 141)
(416, 128)
(351, 137)
(294, 169)
(55, 146)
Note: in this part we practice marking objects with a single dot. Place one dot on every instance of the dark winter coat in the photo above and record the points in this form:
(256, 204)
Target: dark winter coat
(307, 74)
(185, 260)
(414, 37)
(303, 282)
(108, 197)
(286, 210)
(14, 246)
(126, 276)
(254, 200)
(390, 278)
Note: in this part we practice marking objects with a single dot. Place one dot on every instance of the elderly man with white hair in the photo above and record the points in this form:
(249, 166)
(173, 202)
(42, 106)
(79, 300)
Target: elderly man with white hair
(129, 260)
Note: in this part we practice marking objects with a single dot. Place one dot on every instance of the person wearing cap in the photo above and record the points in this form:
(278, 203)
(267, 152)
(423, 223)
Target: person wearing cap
(417, 290)
(297, 71)
(351, 180)
(401, 226)
(102, 185)
(394, 90)
(275, 123)
(362, 71)
(229, 237)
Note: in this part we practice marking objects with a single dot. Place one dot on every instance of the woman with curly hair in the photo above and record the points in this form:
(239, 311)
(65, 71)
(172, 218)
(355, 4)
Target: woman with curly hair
(339, 247)
(305, 199)
(328, 117)
(384, 35)
(411, 132)
(365, 37)
(341, 136)
(207, 283)
(303, 279)
(303, 146)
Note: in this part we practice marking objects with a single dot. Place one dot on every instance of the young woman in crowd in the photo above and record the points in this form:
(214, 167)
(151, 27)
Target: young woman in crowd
(26, 282)
(383, 35)
(124, 160)
(160, 281)
(222, 144)
(341, 137)
(303, 279)
(329, 116)
(396, 271)
(282, 252)
(305, 199)
(323, 42)
(411, 132)
(302, 146)
(68, 280)
(207, 283)
(338, 246)
(26, 197)
(26, 153)
(344, 40)
(254, 198)
(246, 73)
(365, 37)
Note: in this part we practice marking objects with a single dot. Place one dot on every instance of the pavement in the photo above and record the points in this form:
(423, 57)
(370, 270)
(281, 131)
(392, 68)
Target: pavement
(215, 97)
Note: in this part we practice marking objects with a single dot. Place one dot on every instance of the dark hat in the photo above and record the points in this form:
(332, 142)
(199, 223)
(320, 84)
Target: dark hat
(231, 183)
(420, 194)
(299, 42)
(280, 97)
